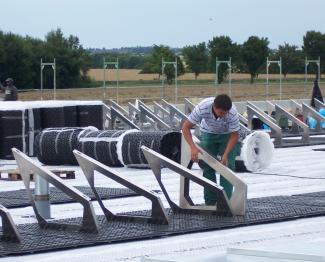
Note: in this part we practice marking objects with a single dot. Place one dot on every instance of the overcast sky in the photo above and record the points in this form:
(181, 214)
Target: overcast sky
(108, 23)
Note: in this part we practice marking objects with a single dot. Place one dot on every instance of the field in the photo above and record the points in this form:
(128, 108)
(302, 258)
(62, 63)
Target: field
(148, 87)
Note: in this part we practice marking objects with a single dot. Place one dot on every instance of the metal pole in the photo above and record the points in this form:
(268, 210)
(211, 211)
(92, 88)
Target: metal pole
(162, 78)
(216, 80)
(267, 78)
(319, 70)
(54, 79)
(280, 64)
(104, 78)
(117, 80)
(306, 65)
(41, 79)
(42, 197)
(176, 86)
(229, 65)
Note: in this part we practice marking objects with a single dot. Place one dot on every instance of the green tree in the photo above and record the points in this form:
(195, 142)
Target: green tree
(153, 65)
(196, 58)
(292, 59)
(314, 45)
(254, 52)
(223, 48)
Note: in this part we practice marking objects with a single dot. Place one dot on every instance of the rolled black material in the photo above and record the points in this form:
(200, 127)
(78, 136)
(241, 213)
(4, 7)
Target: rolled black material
(164, 142)
(54, 146)
(102, 146)
(13, 132)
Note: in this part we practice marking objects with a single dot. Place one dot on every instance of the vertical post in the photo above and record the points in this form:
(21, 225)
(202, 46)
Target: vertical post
(217, 70)
(54, 78)
(280, 65)
(42, 197)
(117, 80)
(176, 84)
(305, 87)
(162, 78)
(267, 78)
(319, 70)
(104, 78)
(41, 79)
(229, 65)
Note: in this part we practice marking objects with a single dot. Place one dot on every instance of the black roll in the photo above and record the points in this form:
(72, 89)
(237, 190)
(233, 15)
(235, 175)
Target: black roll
(164, 142)
(102, 146)
(14, 132)
(54, 146)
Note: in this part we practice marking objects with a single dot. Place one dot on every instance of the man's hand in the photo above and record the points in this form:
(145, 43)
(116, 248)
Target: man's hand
(224, 160)
(195, 153)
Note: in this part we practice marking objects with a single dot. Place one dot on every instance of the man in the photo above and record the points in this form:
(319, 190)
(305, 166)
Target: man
(219, 125)
(10, 90)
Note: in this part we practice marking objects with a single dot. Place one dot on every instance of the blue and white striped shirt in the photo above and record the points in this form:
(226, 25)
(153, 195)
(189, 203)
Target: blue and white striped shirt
(203, 115)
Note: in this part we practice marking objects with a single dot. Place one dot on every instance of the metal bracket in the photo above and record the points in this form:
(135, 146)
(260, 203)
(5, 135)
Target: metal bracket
(157, 162)
(159, 123)
(90, 165)
(307, 110)
(134, 110)
(189, 106)
(27, 167)
(318, 104)
(174, 113)
(279, 111)
(9, 229)
(116, 114)
(253, 110)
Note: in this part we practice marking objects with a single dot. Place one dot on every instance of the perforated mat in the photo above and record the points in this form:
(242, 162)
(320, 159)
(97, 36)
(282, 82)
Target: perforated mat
(261, 210)
(19, 198)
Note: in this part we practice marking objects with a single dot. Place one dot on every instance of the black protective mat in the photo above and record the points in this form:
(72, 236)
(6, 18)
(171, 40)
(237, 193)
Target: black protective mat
(19, 198)
(260, 210)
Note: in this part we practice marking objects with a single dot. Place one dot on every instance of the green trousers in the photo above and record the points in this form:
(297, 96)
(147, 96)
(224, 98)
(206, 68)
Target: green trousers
(215, 145)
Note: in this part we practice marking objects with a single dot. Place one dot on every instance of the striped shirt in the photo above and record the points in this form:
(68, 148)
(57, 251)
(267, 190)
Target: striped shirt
(203, 115)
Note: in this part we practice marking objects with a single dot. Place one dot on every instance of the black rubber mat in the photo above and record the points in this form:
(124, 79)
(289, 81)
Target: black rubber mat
(260, 211)
(19, 198)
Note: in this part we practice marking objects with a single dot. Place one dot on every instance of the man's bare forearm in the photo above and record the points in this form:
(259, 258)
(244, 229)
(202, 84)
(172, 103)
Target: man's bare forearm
(233, 140)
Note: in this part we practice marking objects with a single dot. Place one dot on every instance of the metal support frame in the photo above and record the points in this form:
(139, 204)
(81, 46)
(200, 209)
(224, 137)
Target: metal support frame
(90, 165)
(307, 62)
(295, 105)
(268, 63)
(116, 114)
(9, 229)
(253, 110)
(163, 64)
(159, 123)
(134, 110)
(297, 123)
(118, 107)
(27, 166)
(174, 111)
(189, 106)
(53, 65)
(224, 206)
(116, 66)
(242, 119)
(318, 104)
(309, 111)
(216, 82)
(160, 111)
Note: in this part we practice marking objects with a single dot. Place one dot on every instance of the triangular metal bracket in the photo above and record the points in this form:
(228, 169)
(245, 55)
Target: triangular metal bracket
(90, 165)
(9, 229)
(28, 166)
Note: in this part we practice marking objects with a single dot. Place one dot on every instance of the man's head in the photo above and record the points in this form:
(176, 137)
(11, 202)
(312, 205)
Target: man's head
(221, 105)
(9, 81)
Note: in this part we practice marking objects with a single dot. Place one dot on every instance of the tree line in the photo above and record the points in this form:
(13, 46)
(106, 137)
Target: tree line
(20, 58)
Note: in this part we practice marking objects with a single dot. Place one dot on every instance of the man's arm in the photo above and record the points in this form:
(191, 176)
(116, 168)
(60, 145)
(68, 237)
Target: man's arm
(187, 126)
(233, 140)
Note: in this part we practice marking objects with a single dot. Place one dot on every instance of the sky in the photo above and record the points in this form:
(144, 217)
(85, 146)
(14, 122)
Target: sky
(176, 23)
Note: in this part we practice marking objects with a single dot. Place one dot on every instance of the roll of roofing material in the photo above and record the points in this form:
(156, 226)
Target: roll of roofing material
(54, 146)
(13, 132)
(102, 146)
(257, 151)
(165, 142)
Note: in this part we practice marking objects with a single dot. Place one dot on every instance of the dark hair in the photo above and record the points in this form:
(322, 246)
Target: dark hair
(223, 102)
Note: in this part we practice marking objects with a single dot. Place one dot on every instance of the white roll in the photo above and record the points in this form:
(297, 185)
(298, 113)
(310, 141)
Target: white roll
(257, 151)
